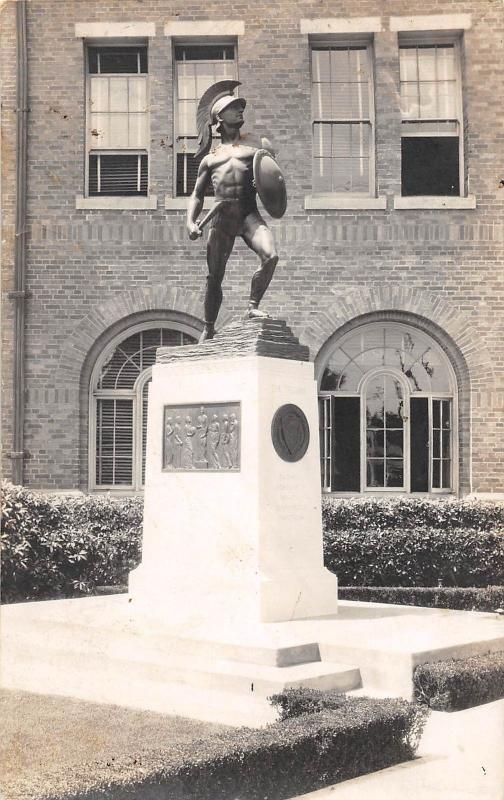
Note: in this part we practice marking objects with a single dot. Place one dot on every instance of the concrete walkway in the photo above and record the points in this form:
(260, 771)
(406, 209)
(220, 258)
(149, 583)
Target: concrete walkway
(461, 758)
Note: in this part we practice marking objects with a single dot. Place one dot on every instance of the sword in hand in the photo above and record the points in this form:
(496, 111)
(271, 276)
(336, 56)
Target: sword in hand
(197, 229)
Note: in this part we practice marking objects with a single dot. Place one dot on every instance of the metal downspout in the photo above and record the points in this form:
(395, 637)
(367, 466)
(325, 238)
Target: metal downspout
(19, 295)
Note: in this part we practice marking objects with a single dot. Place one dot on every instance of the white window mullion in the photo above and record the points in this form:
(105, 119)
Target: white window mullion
(407, 441)
(444, 403)
(431, 417)
(114, 443)
(460, 117)
(136, 415)
(95, 469)
(326, 442)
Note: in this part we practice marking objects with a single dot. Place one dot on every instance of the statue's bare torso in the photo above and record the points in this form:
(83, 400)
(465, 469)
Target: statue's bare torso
(230, 170)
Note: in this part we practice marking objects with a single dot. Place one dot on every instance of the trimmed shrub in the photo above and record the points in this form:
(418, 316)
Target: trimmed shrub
(462, 599)
(460, 683)
(55, 546)
(415, 557)
(303, 700)
(385, 514)
(414, 542)
(299, 755)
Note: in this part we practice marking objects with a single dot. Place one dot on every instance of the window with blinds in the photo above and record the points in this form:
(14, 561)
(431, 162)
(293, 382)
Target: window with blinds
(343, 119)
(119, 407)
(432, 124)
(117, 120)
(196, 68)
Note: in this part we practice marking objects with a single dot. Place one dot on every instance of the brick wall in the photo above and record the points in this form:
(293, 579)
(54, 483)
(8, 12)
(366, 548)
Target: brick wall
(8, 217)
(86, 268)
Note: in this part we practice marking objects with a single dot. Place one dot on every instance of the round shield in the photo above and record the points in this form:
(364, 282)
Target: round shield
(270, 184)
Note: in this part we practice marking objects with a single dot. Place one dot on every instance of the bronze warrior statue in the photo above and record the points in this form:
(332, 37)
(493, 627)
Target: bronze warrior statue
(236, 171)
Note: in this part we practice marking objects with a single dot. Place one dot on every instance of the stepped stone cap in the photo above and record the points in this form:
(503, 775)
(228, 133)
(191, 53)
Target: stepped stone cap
(271, 338)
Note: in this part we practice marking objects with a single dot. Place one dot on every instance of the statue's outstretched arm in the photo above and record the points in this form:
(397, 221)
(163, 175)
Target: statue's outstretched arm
(195, 203)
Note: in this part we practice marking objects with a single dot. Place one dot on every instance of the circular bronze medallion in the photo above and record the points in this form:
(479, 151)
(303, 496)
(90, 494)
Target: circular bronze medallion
(290, 432)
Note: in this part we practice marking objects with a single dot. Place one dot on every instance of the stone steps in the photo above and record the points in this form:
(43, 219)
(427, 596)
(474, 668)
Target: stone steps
(161, 696)
(117, 664)
(94, 649)
(225, 675)
(130, 641)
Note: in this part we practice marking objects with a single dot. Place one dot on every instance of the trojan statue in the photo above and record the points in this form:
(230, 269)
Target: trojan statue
(237, 173)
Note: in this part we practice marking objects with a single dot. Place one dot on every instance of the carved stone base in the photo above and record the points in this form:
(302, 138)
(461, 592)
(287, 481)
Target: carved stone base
(267, 337)
(244, 542)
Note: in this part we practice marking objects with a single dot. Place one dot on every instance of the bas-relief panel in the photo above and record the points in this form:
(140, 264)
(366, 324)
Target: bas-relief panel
(202, 438)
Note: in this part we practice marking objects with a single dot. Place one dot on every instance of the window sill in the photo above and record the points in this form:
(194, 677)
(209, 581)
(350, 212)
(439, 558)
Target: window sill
(334, 201)
(386, 493)
(434, 202)
(117, 203)
(180, 203)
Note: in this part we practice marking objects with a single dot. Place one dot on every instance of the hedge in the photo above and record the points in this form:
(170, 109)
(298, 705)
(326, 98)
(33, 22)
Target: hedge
(302, 700)
(414, 542)
(54, 546)
(57, 546)
(416, 557)
(462, 599)
(287, 758)
(413, 513)
(457, 684)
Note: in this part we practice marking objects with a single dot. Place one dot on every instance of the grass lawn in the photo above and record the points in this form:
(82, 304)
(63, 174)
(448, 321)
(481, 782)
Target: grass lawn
(52, 744)
(55, 748)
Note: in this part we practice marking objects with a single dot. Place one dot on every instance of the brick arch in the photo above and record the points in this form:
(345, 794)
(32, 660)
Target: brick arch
(452, 328)
(157, 303)
(123, 310)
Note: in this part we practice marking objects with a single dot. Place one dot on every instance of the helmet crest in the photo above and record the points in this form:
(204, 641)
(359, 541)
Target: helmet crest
(204, 120)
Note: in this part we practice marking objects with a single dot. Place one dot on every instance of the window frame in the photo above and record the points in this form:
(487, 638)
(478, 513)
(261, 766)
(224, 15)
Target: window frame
(144, 378)
(134, 394)
(431, 396)
(325, 434)
(341, 42)
(366, 379)
(422, 39)
(101, 44)
(225, 41)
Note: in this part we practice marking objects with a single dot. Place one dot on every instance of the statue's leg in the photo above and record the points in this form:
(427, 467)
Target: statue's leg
(219, 247)
(260, 239)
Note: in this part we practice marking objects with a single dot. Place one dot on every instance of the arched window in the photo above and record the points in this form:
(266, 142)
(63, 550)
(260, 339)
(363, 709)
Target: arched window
(388, 416)
(118, 404)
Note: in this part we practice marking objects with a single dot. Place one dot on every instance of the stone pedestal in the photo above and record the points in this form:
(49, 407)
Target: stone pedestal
(232, 531)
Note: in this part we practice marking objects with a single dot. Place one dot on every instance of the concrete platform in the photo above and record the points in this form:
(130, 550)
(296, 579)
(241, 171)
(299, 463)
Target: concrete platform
(98, 649)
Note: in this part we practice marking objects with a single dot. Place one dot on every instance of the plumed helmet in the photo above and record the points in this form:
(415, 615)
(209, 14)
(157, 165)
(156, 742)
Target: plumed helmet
(216, 98)
(224, 102)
